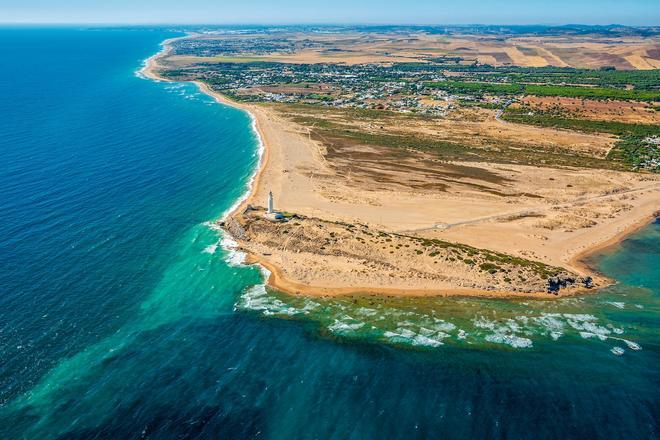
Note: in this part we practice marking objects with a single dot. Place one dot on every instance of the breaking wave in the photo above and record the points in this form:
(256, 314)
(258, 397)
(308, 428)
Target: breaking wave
(428, 327)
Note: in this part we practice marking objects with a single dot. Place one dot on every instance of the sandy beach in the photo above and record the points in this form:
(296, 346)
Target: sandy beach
(558, 216)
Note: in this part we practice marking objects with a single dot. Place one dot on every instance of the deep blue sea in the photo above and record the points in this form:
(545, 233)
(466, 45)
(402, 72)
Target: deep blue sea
(121, 316)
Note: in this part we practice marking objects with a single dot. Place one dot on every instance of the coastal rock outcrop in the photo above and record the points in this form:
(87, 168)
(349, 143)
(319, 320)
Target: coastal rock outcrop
(235, 229)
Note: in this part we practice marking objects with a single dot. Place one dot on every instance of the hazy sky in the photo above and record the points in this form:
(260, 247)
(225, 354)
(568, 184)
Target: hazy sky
(634, 12)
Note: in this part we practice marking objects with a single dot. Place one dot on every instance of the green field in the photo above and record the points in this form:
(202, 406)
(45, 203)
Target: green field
(468, 87)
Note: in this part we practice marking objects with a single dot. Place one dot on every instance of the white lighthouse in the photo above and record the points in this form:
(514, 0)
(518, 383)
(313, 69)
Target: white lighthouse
(271, 207)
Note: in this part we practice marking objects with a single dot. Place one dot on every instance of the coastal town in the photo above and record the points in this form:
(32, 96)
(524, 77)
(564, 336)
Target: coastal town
(357, 72)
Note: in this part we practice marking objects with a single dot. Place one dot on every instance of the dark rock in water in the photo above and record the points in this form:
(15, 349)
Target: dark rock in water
(553, 284)
(563, 280)
(560, 281)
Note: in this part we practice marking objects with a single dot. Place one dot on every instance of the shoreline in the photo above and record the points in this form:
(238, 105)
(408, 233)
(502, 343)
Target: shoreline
(277, 281)
(579, 260)
(148, 72)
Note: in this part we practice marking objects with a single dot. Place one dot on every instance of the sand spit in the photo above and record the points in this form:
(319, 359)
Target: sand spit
(529, 239)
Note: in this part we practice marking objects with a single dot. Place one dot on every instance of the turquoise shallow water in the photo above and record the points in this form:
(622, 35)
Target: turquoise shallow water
(122, 317)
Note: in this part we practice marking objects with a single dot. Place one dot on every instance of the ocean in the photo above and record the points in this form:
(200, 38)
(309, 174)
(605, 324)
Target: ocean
(123, 316)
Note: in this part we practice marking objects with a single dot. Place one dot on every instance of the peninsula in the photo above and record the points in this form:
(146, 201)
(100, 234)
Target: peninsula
(409, 161)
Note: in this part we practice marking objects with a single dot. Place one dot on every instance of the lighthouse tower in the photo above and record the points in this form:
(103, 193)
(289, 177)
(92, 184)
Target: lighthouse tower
(271, 208)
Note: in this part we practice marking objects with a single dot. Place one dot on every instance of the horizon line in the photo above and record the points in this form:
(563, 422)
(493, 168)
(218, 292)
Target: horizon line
(91, 23)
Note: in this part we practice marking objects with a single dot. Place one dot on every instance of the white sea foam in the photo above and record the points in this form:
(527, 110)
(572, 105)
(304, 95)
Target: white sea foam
(400, 336)
(484, 323)
(256, 298)
(523, 319)
(212, 226)
(551, 323)
(631, 345)
(618, 305)
(210, 249)
(601, 332)
(618, 351)
(503, 333)
(579, 317)
(587, 327)
(364, 311)
(345, 325)
(426, 341)
(512, 340)
(309, 306)
(442, 325)
(615, 330)
(234, 257)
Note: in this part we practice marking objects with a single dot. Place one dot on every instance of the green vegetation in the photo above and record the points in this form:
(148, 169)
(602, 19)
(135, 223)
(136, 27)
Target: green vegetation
(637, 79)
(477, 87)
(545, 90)
(636, 152)
(320, 97)
(335, 135)
(487, 260)
(632, 149)
(544, 119)
(592, 92)
(491, 261)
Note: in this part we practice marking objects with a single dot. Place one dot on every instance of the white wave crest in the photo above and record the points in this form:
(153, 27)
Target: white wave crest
(617, 304)
(618, 351)
(210, 249)
(509, 339)
(345, 325)
(631, 345)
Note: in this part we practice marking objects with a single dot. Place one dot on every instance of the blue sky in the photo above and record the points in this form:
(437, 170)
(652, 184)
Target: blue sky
(633, 12)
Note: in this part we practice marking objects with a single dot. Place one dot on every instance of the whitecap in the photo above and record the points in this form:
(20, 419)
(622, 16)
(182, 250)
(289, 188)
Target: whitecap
(396, 338)
(366, 311)
(631, 345)
(601, 332)
(512, 340)
(344, 325)
(426, 341)
(618, 351)
(443, 325)
(524, 319)
(234, 257)
(212, 226)
(210, 249)
(484, 323)
(618, 305)
(256, 298)
(580, 317)
(551, 323)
